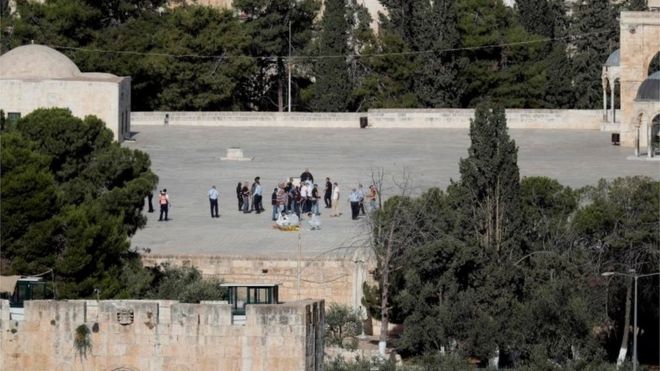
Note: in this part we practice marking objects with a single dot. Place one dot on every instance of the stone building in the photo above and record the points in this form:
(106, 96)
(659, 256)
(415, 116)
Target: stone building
(36, 76)
(627, 71)
(135, 335)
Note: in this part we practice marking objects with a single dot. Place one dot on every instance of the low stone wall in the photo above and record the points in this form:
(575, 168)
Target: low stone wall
(377, 118)
(460, 118)
(162, 335)
(336, 280)
(240, 119)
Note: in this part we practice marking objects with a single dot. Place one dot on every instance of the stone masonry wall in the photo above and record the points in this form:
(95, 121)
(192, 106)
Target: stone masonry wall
(336, 280)
(377, 118)
(162, 335)
(640, 42)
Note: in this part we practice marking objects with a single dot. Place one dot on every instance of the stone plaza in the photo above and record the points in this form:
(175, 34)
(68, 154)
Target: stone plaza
(188, 162)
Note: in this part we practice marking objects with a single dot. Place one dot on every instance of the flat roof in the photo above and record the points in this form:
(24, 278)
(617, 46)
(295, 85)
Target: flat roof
(187, 162)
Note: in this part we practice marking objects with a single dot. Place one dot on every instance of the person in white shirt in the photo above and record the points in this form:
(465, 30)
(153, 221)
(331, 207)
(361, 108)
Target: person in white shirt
(305, 195)
(335, 200)
(257, 196)
(213, 200)
(354, 199)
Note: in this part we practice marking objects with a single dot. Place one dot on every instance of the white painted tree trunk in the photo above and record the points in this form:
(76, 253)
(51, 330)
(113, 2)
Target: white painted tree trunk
(626, 328)
(494, 362)
(382, 345)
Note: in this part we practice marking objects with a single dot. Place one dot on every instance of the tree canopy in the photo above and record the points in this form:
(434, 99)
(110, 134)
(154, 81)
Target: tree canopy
(71, 198)
(426, 54)
(507, 271)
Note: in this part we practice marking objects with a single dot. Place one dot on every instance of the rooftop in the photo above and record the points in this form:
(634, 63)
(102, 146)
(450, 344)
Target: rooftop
(187, 162)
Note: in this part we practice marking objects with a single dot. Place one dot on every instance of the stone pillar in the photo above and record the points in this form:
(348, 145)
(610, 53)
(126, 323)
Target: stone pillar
(637, 139)
(605, 119)
(649, 138)
(612, 102)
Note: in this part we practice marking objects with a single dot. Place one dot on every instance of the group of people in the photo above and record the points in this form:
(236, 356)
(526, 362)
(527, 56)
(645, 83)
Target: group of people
(246, 193)
(357, 198)
(289, 198)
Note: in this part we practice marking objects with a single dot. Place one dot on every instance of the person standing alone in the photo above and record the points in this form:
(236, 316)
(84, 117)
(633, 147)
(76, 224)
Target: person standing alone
(164, 201)
(213, 200)
(354, 199)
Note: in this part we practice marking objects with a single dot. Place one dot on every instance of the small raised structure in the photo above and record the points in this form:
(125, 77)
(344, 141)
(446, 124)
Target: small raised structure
(235, 154)
(36, 76)
(162, 335)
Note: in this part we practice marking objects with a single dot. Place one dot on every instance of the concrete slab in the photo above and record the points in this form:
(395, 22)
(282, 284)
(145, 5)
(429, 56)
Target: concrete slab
(188, 162)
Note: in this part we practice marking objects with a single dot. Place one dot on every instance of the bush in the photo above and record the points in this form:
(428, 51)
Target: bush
(342, 326)
(185, 284)
(360, 364)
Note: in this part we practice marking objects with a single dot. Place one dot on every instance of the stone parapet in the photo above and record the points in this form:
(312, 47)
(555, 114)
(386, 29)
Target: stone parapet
(239, 119)
(162, 335)
(377, 118)
(336, 280)
(460, 118)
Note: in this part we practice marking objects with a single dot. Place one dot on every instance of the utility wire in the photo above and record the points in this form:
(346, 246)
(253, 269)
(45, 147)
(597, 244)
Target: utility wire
(303, 57)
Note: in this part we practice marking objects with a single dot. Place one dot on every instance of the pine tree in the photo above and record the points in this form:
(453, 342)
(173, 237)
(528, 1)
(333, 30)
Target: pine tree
(267, 22)
(490, 180)
(542, 17)
(428, 27)
(595, 27)
(547, 18)
(637, 5)
(435, 82)
(332, 90)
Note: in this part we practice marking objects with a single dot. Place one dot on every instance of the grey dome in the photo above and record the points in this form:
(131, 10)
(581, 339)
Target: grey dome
(613, 59)
(650, 89)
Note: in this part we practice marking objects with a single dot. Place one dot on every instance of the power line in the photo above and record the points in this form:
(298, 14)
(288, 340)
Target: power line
(313, 57)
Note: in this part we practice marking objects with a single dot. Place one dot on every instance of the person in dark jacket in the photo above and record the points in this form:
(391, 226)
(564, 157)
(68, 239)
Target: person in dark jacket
(306, 176)
(239, 195)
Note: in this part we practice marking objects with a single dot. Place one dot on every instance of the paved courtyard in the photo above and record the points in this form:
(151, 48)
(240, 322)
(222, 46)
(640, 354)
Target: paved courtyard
(187, 161)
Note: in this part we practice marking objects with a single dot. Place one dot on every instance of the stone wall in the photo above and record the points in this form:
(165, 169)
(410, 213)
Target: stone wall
(640, 42)
(336, 280)
(108, 100)
(258, 119)
(377, 118)
(162, 335)
(460, 118)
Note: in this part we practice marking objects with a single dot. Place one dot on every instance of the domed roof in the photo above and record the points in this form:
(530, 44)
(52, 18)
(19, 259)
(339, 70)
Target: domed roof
(36, 61)
(613, 59)
(650, 89)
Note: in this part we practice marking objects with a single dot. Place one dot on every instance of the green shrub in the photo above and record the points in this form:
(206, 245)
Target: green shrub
(342, 326)
(185, 284)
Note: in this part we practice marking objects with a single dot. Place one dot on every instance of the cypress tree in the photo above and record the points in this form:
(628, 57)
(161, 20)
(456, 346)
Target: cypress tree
(490, 181)
(332, 89)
